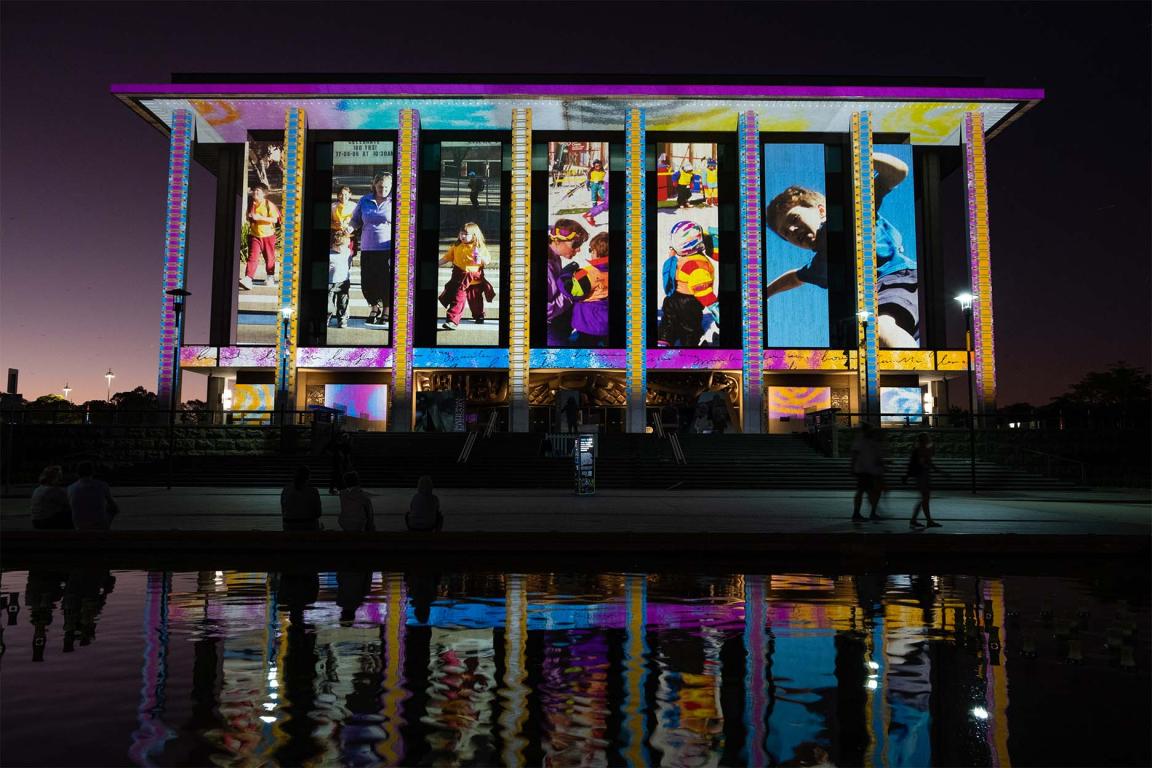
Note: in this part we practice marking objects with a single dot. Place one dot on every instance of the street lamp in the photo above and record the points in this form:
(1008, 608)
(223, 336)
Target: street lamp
(282, 395)
(108, 377)
(179, 295)
(864, 316)
(965, 301)
(67, 392)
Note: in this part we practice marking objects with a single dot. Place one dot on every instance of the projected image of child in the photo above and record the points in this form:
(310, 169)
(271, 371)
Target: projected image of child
(339, 278)
(798, 215)
(263, 217)
(590, 296)
(565, 239)
(467, 285)
(688, 277)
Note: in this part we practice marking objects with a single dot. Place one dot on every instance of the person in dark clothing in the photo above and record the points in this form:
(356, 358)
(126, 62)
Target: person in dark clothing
(300, 503)
(424, 510)
(920, 468)
(571, 414)
(475, 187)
(341, 449)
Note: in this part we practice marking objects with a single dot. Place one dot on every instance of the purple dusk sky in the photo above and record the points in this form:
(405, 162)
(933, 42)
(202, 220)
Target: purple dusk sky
(83, 179)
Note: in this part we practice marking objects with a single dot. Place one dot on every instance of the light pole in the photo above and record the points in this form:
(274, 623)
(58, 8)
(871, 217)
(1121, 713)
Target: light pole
(67, 392)
(108, 378)
(179, 295)
(282, 394)
(864, 316)
(965, 300)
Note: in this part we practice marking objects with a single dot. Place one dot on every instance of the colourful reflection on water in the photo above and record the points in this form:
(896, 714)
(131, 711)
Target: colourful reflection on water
(362, 668)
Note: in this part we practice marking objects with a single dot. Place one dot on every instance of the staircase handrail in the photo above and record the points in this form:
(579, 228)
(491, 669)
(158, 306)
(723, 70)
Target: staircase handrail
(466, 451)
(677, 449)
(491, 426)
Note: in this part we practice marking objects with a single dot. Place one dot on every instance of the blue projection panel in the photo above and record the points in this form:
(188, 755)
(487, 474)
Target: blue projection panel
(797, 317)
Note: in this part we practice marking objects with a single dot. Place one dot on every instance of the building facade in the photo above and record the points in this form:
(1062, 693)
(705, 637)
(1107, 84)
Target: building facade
(431, 256)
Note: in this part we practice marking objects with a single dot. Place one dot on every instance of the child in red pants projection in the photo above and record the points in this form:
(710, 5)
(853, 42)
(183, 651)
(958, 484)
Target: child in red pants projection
(467, 285)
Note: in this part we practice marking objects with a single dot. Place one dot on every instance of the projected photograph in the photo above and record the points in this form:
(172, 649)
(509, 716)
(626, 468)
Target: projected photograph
(360, 254)
(795, 258)
(687, 248)
(899, 405)
(365, 406)
(897, 285)
(787, 406)
(469, 265)
(261, 243)
(577, 250)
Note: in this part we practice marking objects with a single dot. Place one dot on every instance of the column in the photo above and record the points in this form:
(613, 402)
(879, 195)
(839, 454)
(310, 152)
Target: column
(404, 237)
(152, 733)
(518, 303)
(864, 219)
(751, 253)
(756, 678)
(636, 325)
(175, 248)
(979, 261)
(290, 257)
(391, 746)
(514, 710)
(634, 737)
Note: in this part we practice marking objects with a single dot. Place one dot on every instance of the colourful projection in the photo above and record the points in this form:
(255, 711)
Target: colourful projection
(899, 403)
(359, 402)
(470, 237)
(796, 255)
(793, 402)
(897, 284)
(360, 253)
(687, 247)
(261, 243)
(253, 397)
(577, 248)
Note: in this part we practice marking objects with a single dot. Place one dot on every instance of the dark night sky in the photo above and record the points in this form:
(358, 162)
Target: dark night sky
(83, 178)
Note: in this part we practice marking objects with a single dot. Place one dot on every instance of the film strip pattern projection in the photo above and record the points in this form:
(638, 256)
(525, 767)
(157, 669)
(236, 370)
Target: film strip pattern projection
(519, 301)
(751, 251)
(635, 249)
(294, 130)
(980, 260)
(864, 216)
(515, 715)
(407, 164)
(175, 249)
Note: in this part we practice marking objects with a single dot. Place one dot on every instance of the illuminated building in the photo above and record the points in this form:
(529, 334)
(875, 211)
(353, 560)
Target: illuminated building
(634, 244)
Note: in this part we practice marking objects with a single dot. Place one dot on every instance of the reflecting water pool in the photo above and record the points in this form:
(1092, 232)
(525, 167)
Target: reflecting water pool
(359, 668)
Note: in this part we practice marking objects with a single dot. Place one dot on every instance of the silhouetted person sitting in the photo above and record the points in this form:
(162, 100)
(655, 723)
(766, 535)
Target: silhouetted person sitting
(300, 503)
(356, 512)
(424, 510)
(91, 500)
(50, 510)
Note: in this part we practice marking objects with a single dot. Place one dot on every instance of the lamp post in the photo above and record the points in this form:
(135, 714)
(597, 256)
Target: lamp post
(965, 301)
(67, 392)
(108, 378)
(864, 316)
(179, 295)
(282, 394)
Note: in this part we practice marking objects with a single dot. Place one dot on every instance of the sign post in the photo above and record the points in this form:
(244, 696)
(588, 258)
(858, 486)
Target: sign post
(584, 454)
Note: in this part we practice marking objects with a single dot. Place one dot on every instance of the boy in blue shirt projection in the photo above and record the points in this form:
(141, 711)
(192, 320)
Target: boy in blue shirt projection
(798, 216)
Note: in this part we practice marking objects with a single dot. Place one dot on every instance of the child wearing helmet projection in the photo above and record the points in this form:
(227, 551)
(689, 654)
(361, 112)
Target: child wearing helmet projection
(590, 296)
(565, 239)
(711, 184)
(689, 284)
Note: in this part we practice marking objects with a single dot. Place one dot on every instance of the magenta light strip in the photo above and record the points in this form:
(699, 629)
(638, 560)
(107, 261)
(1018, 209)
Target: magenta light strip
(256, 90)
(175, 246)
(753, 369)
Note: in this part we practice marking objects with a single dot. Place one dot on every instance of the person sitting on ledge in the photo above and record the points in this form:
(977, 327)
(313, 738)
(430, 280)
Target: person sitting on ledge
(300, 503)
(356, 513)
(91, 500)
(424, 510)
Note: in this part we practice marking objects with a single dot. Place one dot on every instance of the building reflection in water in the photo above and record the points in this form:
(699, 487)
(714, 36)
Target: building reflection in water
(361, 668)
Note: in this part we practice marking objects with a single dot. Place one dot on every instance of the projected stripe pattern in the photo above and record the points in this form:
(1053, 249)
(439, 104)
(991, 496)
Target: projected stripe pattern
(751, 257)
(635, 249)
(519, 299)
(407, 167)
(294, 129)
(175, 248)
(980, 260)
(864, 219)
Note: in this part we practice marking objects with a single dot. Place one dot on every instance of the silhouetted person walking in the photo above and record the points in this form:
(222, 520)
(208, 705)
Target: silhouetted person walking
(424, 510)
(868, 466)
(571, 414)
(340, 446)
(920, 468)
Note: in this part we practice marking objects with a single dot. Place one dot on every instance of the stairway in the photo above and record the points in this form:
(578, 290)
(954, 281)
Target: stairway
(515, 460)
